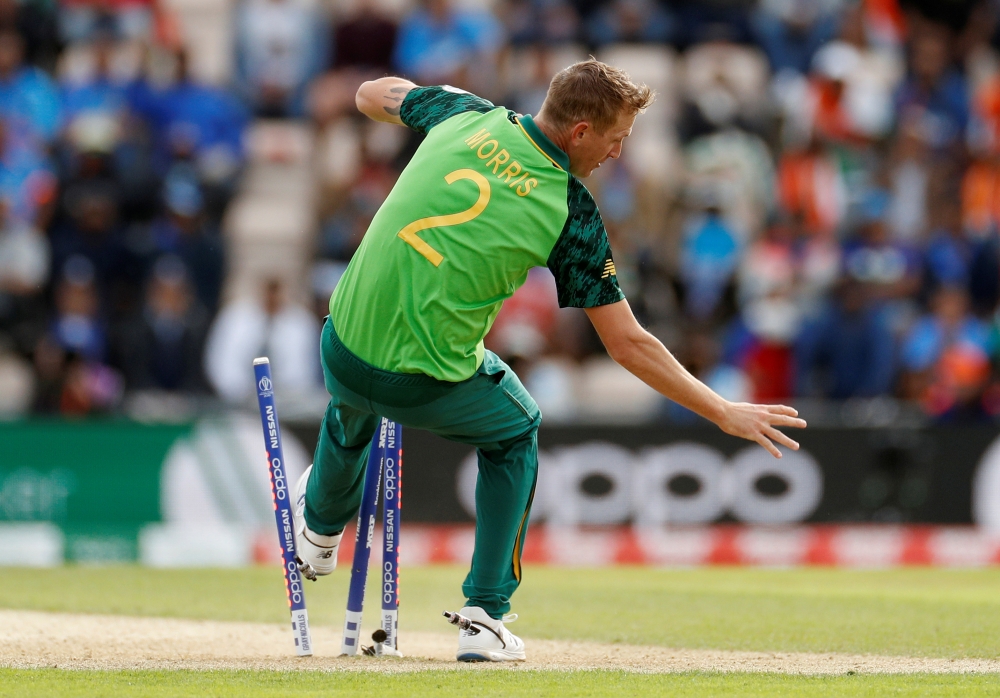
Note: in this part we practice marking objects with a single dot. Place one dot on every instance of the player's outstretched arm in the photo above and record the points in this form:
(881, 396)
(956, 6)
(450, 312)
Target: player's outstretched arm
(645, 357)
(381, 99)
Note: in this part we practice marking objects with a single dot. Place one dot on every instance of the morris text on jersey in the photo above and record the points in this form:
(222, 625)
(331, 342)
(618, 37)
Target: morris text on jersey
(513, 175)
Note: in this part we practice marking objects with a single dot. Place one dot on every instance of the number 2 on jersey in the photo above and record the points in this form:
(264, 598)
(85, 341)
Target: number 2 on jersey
(409, 233)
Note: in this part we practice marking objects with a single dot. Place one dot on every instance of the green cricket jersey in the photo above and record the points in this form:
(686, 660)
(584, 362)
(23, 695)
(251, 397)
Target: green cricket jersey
(485, 198)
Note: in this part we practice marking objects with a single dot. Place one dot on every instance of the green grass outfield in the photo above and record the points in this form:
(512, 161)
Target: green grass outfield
(489, 682)
(906, 612)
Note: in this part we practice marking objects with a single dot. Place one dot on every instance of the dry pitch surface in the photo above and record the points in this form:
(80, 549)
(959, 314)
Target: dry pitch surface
(83, 641)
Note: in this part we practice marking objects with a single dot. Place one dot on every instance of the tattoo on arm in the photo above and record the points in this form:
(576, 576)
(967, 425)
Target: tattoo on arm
(394, 110)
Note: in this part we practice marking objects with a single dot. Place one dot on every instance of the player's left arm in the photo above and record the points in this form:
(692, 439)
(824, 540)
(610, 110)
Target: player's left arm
(381, 100)
(585, 275)
(645, 357)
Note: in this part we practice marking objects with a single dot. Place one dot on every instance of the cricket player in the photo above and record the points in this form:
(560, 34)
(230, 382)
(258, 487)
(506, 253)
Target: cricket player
(488, 195)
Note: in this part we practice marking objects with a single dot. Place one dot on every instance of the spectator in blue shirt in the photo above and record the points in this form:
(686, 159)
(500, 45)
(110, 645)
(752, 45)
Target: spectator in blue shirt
(91, 229)
(199, 125)
(437, 43)
(77, 326)
(948, 323)
(791, 31)
(710, 253)
(185, 233)
(948, 254)
(98, 92)
(945, 358)
(935, 93)
(848, 350)
(890, 270)
(161, 347)
(29, 99)
(191, 119)
(26, 178)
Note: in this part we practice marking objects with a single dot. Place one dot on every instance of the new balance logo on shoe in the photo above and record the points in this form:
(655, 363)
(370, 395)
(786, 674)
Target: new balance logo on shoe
(318, 553)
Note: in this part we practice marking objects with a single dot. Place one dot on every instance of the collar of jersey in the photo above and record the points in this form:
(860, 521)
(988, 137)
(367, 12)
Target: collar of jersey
(546, 147)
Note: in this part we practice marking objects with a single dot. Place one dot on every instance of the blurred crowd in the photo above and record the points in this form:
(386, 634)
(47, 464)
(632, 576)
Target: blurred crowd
(809, 209)
(115, 169)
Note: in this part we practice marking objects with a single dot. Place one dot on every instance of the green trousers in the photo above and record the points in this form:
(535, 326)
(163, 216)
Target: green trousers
(491, 411)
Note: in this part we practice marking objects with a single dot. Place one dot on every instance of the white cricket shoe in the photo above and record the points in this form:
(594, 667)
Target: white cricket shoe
(493, 642)
(316, 554)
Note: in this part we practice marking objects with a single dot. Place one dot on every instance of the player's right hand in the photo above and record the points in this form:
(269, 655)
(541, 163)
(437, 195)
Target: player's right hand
(759, 423)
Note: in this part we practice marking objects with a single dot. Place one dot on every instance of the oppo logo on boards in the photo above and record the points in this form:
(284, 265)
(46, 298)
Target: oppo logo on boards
(683, 483)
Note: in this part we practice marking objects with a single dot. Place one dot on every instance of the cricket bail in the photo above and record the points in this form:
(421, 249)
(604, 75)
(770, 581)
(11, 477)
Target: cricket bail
(306, 569)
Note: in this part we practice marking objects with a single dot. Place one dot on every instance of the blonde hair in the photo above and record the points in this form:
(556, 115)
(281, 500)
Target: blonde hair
(594, 92)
